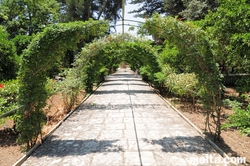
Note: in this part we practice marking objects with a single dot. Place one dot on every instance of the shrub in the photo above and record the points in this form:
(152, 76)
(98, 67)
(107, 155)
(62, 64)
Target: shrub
(243, 85)
(69, 88)
(240, 119)
(8, 57)
(8, 96)
(185, 84)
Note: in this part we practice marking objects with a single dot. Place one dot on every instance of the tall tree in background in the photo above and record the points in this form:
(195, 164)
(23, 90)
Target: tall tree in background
(26, 17)
(72, 10)
(23, 18)
(173, 7)
(148, 7)
(229, 30)
(187, 9)
(8, 59)
(198, 9)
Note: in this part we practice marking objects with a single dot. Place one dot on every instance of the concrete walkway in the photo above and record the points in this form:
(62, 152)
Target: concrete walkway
(125, 123)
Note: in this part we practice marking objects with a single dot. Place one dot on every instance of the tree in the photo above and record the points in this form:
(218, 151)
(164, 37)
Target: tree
(187, 9)
(173, 7)
(72, 10)
(8, 58)
(26, 17)
(195, 10)
(21, 42)
(229, 30)
(148, 7)
(198, 9)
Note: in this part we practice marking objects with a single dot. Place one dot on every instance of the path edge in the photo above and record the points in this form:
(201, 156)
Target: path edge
(218, 149)
(27, 154)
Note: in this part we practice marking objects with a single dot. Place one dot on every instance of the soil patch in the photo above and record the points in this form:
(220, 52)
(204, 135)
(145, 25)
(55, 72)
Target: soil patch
(10, 150)
(232, 142)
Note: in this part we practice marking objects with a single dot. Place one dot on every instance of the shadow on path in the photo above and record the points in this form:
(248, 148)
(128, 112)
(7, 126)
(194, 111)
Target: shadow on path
(182, 144)
(61, 148)
(117, 84)
(115, 79)
(129, 92)
(95, 106)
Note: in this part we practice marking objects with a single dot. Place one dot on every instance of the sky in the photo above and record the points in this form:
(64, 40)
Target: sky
(127, 16)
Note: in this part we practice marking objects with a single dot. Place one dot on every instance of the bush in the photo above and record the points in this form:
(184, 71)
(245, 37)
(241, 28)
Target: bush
(8, 57)
(243, 85)
(21, 42)
(240, 119)
(184, 85)
(69, 88)
(8, 96)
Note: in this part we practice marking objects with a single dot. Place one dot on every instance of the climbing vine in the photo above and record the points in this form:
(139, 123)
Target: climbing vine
(193, 43)
(103, 56)
(46, 48)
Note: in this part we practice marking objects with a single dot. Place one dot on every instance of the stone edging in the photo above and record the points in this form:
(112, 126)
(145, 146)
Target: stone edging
(26, 156)
(219, 150)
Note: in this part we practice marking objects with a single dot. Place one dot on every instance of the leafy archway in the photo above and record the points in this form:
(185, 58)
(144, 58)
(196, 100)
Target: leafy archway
(44, 50)
(193, 42)
(104, 56)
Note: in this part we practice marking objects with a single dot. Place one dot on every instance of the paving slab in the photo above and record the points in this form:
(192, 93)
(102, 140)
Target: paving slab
(125, 123)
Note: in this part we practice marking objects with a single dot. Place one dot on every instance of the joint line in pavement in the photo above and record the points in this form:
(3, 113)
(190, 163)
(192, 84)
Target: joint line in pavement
(132, 110)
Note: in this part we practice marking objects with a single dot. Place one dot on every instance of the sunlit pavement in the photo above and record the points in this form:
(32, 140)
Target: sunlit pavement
(125, 123)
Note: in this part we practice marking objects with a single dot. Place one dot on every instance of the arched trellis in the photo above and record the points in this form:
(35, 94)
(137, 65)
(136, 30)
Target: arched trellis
(192, 42)
(45, 49)
(127, 22)
(102, 56)
(99, 56)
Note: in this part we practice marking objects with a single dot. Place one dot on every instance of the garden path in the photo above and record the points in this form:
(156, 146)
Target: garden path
(125, 123)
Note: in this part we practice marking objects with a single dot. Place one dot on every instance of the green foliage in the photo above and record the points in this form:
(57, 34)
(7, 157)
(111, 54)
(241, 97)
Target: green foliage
(167, 60)
(28, 16)
(90, 61)
(100, 58)
(184, 85)
(162, 76)
(8, 96)
(147, 8)
(188, 9)
(72, 10)
(240, 119)
(243, 84)
(192, 42)
(45, 49)
(168, 55)
(195, 10)
(3, 17)
(8, 58)
(171, 56)
(70, 88)
(228, 28)
(144, 58)
(21, 42)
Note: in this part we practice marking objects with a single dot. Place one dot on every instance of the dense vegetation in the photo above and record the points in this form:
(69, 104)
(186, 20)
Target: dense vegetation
(45, 49)
(187, 58)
